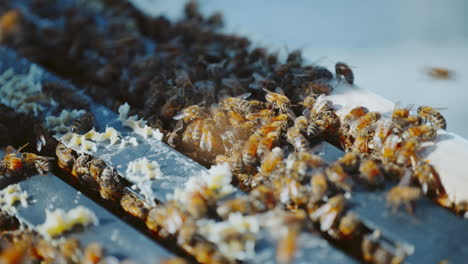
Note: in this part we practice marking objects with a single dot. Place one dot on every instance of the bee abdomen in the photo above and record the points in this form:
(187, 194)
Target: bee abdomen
(314, 129)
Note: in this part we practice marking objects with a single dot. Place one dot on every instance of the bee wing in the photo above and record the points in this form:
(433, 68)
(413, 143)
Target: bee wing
(306, 112)
(406, 179)
(327, 220)
(321, 211)
(244, 96)
(279, 90)
(291, 114)
(180, 116)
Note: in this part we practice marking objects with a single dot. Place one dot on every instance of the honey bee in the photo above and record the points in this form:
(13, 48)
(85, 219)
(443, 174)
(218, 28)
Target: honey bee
(191, 113)
(461, 208)
(109, 187)
(343, 70)
(336, 174)
(81, 166)
(237, 104)
(370, 173)
(349, 225)
(167, 220)
(278, 100)
(376, 250)
(197, 203)
(440, 73)
(93, 253)
(134, 206)
(350, 162)
(389, 148)
(428, 179)
(11, 163)
(249, 153)
(407, 151)
(193, 132)
(328, 214)
(41, 163)
(9, 23)
(296, 139)
(65, 157)
(365, 121)
(209, 139)
(382, 131)
(242, 205)
(82, 124)
(287, 246)
(319, 185)
(266, 143)
(422, 132)
(271, 161)
(292, 193)
(317, 87)
(403, 195)
(96, 166)
(431, 115)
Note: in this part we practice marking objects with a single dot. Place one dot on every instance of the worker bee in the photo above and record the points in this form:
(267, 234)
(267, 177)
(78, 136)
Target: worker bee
(375, 249)
(364, 121)
(192, 113)
(65, 157)
(271, 161)
(428, 179)
(237, 104)
(403, 195)
(267, 142)
(193, 132)
(9, 23)
(278, 100)
(350, 162)
(370, 174)
(349, 226)
(82, 124)
(81, 166)
(287, 246)
(343, 70)
(167, 220)
(407, 151)
(422, 132)
(382, 131)
(134, 206)
(440, 73)
(209, 139)
(328, 214)
(11, 163)
(110, 189)
(292, 193)
(389, 148)
(296, 139)
(93, 253)
(96, 166)
(40, 163)
(461, 208)
(336, 174)
(242, 205)
(319, 185)
(317, 87)
(249, 153)
(431, 115)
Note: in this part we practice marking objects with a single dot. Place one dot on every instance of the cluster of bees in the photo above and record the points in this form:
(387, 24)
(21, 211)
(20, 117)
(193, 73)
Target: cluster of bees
(218, 101)
(16, 164)
(26, 246)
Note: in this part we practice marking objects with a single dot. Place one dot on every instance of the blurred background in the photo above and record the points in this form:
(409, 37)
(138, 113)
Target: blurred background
(389, 44)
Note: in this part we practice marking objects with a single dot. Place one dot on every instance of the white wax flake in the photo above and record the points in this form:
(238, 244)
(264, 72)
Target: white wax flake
(10, 195)
(59, 221)
(217, 179)
(86, 143)
(141, 173)
(23, 92)
(138, 126)
(235, 237)
(128, 140)
(61, 123)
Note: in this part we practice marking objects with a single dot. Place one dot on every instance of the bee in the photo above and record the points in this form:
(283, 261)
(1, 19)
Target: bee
(382, 131)
(81, 166)
(167, 220)
(431, 115)
(319, 185)
(278, 100)
(134, 206)
(82, 124)
(241, 204)
(376, 250)
(369, 245)
(365, 121)
(370, 173)
(328, 214)
(41, 163)
(237, 104)
(461, 208)
(440, 73)
(209, 140)
(191, 113)
(428, 179)
(271, 161)
(336, 174)
(317, 88)
(249, 153)
(349, 225)
(193, 132)
(422, 132)
(296, 139)
(403, 195)
(342, 69)
(96, 166)
(301, 123)
(65, 157)
(266, 143)
(9, 22)
(287, 246)
(350, 162)
(292, 193)
(172, 138)
(389, 148)
(109, 187)
(356, 113)
(407, 151)
(197, 203)
(93, 253)
(11, 163)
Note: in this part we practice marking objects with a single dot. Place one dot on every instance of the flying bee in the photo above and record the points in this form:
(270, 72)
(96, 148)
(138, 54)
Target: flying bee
(82, 124)
(431, 115)
(134, 206)
(350, 162)
(277, 100)
(328, 214)
(249, 153)
(343, 70)
(296, 139)
(65, 157)
(336, 174)
(403, 195)
(440, 73)
(349, 225)
(41, 163)
(422, 132)
(287, 246)
(370, 173)
(237, 104)
(109, 187)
